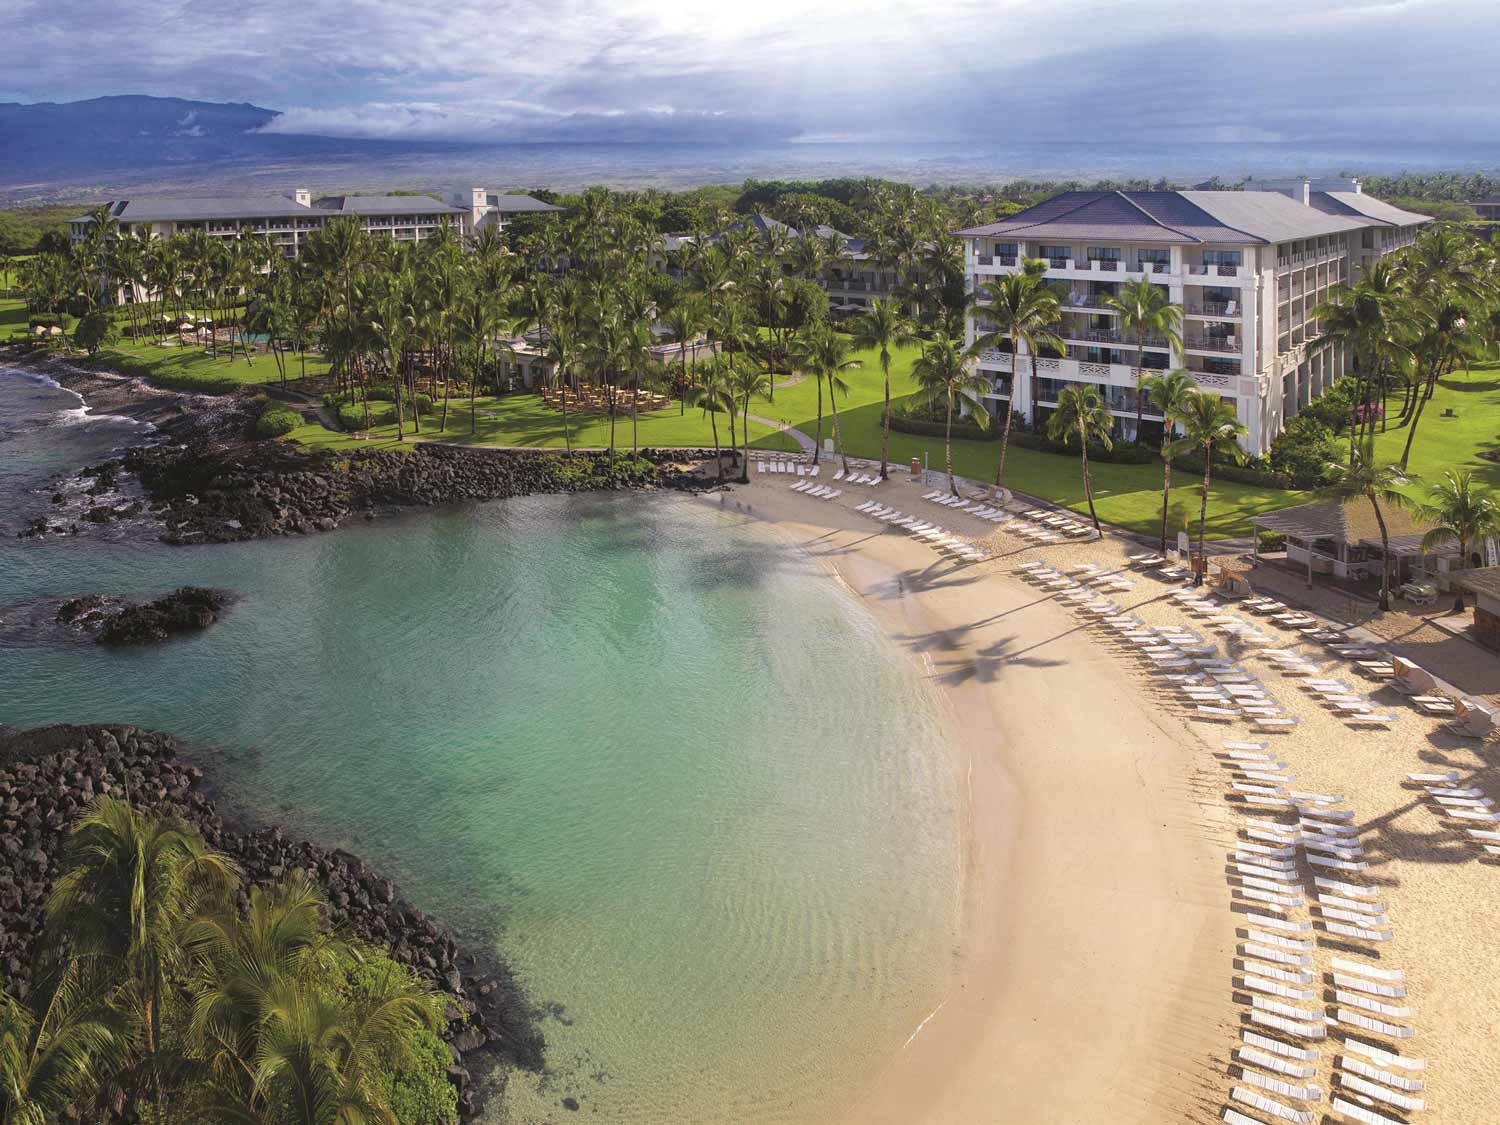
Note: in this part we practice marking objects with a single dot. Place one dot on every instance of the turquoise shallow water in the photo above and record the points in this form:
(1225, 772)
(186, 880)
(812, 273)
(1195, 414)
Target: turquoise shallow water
(675, 773)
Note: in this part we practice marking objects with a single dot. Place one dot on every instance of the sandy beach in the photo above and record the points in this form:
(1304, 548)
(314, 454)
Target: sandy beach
(1095, 976)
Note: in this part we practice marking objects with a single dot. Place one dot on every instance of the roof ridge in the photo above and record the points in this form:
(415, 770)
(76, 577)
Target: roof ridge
(1154, 219)
(1221, 222)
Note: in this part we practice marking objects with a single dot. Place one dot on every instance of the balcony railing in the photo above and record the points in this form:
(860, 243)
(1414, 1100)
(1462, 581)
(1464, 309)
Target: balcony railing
(1214, 308)
(1153, 267)
(1220, 270)
(1059, 263)
(1109, 336)
(985, 259)
(1211, 343)
(1006, 259)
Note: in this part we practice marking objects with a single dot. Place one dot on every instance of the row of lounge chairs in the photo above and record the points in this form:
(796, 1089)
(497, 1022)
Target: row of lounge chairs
(1465, 804)
(780, 466)
(1280, 1044)
(934, 536)
(1044, 525)
(820, 491)
(972, 507)
(852, 476)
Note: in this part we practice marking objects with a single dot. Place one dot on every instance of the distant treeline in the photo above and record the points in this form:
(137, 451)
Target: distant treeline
(841, 202)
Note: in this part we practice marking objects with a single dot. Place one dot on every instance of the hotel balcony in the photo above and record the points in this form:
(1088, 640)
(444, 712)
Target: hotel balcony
(1224, 344)
(1217, 310)
(1109, 336)
(1311, 257)
(1221, 270)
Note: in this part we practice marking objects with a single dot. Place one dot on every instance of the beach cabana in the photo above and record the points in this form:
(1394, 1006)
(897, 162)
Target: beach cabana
(1342, 539)
(1484, 584)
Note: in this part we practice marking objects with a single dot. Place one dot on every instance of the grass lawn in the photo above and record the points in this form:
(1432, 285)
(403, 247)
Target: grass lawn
(1444, 443)
(193, 369)
(524, 419)
(1126, 495)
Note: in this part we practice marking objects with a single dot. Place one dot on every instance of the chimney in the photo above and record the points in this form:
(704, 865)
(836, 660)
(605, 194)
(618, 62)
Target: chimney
(1359, 188)
(1307, 193)
(303, 196)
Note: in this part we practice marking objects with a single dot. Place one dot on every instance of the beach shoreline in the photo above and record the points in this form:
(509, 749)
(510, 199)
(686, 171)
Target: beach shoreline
(1087, 980)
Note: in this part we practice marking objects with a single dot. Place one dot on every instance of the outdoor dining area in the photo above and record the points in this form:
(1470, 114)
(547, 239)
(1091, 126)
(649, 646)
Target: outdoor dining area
(589, 398)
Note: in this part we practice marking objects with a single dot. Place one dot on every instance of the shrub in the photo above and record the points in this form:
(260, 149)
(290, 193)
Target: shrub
(1272, 541)
(94, 331)
(1303, 450)
(1334, 410)
(416, 1084)
(352, 415)
(277, 422)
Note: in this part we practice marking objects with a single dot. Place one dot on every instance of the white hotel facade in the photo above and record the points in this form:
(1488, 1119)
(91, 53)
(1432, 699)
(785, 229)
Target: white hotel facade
(287, 220)
(1245, 267)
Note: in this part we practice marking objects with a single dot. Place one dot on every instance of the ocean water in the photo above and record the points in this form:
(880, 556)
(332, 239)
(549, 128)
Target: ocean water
(568, 167)
(671, 771)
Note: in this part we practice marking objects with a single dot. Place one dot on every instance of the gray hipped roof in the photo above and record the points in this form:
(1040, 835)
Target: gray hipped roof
(1359, 204)
(199, 208)
(1184, 217)
(518, 204)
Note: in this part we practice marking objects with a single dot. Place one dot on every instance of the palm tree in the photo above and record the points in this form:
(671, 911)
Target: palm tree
(1019, 309)
(884, 327)
(943, 375)
(130, 883)
(61, 1054)
(715, 395)
(1169, 393)
(1377, 483)
(561, 353)
(1448, 339)
(1081, 414)
(1209, 426)
(684, 320)
(823, 353)
(1145, 310)
(746, 381)
(1463, 515)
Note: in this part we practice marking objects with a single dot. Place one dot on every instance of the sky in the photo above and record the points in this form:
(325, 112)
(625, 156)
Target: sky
(775, 70)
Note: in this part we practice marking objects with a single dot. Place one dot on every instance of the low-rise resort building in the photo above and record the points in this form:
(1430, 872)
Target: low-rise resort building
(1245, 267)
(853, 278)
(288, 219)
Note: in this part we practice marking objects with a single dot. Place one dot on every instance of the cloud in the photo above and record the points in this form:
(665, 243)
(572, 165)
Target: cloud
(989, 70)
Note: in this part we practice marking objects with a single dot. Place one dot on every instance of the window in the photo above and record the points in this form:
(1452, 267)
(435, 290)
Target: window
(1005, 249)
(1367, 238)
(1221, 257)
(1161, 254)
(1104, 253)
(1056, 253)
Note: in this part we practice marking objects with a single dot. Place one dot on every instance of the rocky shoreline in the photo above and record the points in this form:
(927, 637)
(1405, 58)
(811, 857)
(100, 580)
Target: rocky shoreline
(209, 493)
(49, 775)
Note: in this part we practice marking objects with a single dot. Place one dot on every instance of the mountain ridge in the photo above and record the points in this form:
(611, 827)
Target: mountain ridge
(125, 135)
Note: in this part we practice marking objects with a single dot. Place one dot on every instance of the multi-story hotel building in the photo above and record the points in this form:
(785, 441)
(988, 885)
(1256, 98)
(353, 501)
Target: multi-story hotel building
(1246, 268)
(288, 219)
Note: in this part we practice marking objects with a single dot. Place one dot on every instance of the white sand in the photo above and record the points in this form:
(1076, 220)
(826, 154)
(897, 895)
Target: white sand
(1093, 979)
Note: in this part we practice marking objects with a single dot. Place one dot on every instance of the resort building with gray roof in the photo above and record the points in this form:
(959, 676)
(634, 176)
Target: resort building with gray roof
(1246, 268)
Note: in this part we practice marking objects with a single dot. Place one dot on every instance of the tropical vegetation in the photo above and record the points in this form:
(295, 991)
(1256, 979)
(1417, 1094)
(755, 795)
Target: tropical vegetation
(170, 992)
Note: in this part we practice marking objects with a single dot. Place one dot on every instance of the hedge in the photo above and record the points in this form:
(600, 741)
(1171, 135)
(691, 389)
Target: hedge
(1243, 474)
(277, 421)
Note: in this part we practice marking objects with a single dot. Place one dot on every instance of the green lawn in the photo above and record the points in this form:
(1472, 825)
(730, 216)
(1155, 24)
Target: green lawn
(1444, 443)
(177, 368)
(1126, 495)
(193, 369)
